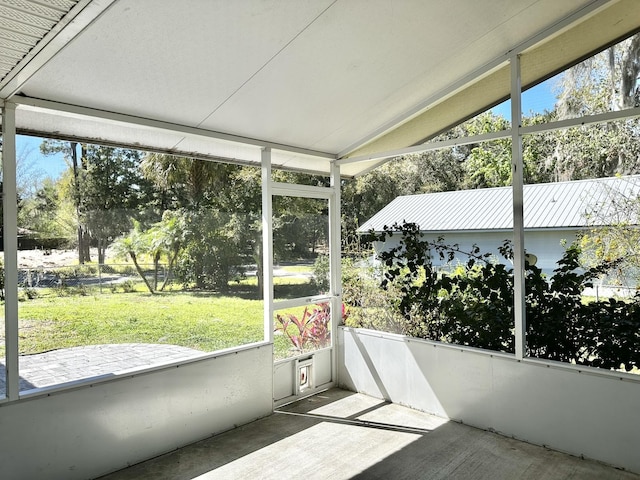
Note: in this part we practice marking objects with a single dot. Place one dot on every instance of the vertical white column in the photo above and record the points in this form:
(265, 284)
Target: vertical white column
(517, 167)
(335, 263)
(267, 245)
(10, 234)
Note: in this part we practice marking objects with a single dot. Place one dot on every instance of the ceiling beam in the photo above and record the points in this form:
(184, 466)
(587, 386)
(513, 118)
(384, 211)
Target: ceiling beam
(161, 125)
(425, 147)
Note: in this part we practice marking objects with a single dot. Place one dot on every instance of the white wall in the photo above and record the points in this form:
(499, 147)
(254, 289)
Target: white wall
(573, 410)
(547, 245)
(286, 375)
(92, 430)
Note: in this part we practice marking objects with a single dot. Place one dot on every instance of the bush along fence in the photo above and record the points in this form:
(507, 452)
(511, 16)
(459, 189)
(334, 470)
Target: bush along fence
(473, 304)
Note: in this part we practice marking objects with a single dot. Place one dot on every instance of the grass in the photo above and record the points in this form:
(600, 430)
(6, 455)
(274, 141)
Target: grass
(296, 268)
(89, 314)
(203, 321)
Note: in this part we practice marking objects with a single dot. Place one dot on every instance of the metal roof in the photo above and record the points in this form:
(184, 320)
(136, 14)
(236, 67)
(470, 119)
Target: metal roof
(317, 81)
(573, 204)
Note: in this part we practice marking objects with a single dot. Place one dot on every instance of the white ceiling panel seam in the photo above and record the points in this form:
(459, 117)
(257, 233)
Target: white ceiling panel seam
(264, 65)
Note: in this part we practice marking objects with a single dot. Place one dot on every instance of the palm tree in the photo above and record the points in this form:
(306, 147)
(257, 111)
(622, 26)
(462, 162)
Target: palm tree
(132, 244)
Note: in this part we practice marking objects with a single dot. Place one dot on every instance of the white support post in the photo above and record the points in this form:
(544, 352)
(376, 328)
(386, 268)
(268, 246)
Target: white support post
(267, 244)
(335, 263)
(10, 234)
(517, 167)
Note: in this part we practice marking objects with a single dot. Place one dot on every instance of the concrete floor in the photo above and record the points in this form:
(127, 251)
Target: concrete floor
(340, 435)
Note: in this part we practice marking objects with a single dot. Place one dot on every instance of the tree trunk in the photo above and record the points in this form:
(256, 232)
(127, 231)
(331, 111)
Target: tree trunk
(86, 245)
(259, 271)
(80, 246)
(172, 261)
(156, 264)
(76, 188)
(630, 69)
(140, 272)
(101, 250)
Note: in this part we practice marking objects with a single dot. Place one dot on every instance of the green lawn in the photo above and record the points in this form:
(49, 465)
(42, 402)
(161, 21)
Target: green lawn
(308, 268)
(203, 321)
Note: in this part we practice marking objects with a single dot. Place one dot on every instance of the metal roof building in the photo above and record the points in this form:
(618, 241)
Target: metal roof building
(561, 205)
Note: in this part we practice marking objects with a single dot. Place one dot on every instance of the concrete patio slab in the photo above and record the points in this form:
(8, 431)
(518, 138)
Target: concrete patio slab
(70, 364)
(344, 435)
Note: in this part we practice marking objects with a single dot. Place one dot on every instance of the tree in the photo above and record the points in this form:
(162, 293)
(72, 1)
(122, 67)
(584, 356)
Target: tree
(28, 177)
(42, 212)
(70, 153)
(165, 238)
(204, 198)
(605, 82)
(109, 186)
(132, 245)
(614, 234)
(366, 195)
(107, 190)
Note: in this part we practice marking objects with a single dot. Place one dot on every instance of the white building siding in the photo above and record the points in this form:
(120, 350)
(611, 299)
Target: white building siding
(547, 245)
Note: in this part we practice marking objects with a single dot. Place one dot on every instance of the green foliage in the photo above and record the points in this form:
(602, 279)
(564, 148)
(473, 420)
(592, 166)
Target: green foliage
(369, 193)
(210, 251)
(321, 273)
(30, 293)
(128, 286)
(132, 245)
(474, 305)
(300, 227)
(614, 218)
(42, 213)
(370, 306)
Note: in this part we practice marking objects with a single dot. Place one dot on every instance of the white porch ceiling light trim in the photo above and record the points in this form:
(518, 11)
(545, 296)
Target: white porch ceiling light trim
(74, 110)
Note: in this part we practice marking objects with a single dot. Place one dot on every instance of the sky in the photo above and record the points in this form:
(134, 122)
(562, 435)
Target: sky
(28, 150)
(536, 99)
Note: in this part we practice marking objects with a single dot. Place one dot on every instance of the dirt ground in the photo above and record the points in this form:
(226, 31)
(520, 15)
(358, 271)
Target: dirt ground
(52, 258)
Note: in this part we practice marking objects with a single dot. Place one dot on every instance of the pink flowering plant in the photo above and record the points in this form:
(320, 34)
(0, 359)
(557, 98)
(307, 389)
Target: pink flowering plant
(309, 332)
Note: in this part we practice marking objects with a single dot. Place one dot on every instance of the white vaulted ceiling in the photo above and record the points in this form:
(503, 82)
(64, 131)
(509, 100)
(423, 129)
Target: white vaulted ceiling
(316, 80)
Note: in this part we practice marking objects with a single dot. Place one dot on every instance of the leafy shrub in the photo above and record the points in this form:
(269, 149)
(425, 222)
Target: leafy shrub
(128, 286)
(474, 305)
(321, 273)
(373, 307)
(30, 293)
(81, 290)
(210, 252)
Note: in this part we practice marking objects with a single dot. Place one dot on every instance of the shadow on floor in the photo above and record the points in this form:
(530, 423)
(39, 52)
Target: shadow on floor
(341, 435)
(23, 382)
